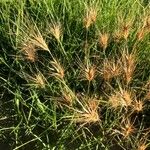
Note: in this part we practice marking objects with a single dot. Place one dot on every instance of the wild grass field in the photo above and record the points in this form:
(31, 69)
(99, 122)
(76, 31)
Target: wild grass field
(74, 75)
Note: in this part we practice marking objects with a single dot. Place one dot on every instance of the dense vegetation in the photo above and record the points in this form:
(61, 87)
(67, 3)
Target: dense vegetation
(75, 74)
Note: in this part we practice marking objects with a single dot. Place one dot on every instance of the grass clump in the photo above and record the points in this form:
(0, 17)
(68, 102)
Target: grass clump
(75, 75)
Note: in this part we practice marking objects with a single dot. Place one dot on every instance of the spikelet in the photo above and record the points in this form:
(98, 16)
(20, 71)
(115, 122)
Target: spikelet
(38, 41)
(67, 97)
(127, 128)
(89, 114)
(117, 36)
(128, 65)
(111, 69)
(29, 51)
(126, 98)
(56, 30)
(138, 106)
(87, 71)
(57, 70)
(147, 23)
(90, 17)
(142, 143)
(142, 146)
(125, 25)
(125, 30)
(38, 80)
(103, 40)
(120, 99)
(114, 101)
(90, 73)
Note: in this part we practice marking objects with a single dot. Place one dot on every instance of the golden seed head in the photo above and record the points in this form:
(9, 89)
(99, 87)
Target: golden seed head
(121, 98)
(147, 97)
(38, 41)
(127, 98)
(140, 34)
(39, 80)
(127, 128)
(142, 147)
(56, 31)
(129, 65)
(93, 105)
(138, 106)
(29, 51)
(117, 36)
(114, 101)
(126, 30)
(147, 23)
(89, 114)
(67, 97)
(90, 17)
(90, 117)
(103, 40)
(111, 69)
(58, 70)
(90, 73)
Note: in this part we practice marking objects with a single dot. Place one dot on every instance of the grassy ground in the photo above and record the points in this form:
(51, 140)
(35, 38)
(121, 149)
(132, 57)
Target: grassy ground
(74, 74)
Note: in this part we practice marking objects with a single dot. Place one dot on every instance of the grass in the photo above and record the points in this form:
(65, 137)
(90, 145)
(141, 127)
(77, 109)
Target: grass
(75, 75)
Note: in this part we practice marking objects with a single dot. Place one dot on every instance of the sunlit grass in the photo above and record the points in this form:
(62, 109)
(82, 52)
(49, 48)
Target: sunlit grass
(75, 74)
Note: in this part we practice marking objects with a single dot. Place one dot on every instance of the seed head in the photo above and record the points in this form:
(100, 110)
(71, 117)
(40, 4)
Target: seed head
(127, 98)
(114, 100)
(57, 70)
(56, 30)
(147, 95)
(103, 40)
(142, 147)
(90, 17)
(90, 73)
(129, 65)
(142, 144)
(110, 69)
(140, 34)
(29, 51)
(122, 98)
(38, 41)
(39, 80)
(126, 30)
(117, 36)
(138, 106)
(147, 23)
(88, 113)
(127, 128)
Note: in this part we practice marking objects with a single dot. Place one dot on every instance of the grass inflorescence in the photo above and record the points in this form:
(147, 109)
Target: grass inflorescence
(75, 75)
